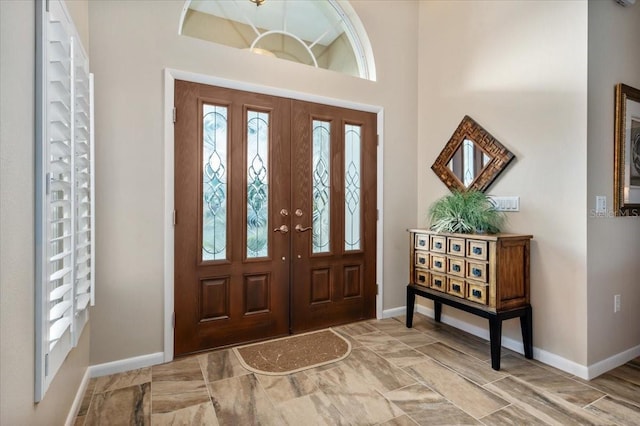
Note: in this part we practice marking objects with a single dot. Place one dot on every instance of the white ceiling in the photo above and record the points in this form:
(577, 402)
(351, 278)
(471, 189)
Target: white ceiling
(307, 19)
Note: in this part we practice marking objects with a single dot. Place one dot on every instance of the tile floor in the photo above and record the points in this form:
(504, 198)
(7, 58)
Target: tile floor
(432, 374)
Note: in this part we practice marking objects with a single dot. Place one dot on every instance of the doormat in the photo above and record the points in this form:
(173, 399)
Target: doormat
(291, 354)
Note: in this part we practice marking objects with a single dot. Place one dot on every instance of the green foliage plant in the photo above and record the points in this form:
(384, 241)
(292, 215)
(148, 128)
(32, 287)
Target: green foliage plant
(465, 212)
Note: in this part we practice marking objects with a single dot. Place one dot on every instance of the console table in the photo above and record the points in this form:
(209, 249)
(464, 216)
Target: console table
(486, 275)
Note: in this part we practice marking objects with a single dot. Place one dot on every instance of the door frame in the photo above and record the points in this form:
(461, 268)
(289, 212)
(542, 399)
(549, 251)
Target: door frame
(170, 75)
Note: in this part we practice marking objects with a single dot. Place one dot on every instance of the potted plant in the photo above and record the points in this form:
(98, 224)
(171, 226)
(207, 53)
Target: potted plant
(465, 212)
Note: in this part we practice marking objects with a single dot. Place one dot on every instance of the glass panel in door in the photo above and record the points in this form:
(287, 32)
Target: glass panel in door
(352, 186)
(321, 173)
(214, 182)
(257, 184)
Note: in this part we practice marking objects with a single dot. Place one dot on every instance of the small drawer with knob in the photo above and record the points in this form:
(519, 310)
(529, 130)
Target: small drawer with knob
(438, 244)
(422, 278)
(456, 287)
(438, 263)
(456, 246)
(421, 242)
(477, 292)
(456, 266)
(477, 271)
(422, 259)
(439, 282)
(477, 250)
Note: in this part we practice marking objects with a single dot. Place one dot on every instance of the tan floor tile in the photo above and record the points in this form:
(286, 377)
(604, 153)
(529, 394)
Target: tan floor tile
(617, 387)
(403, 420)
(122, 380)
(170, 396)
(465, 365)
(375, 338)
(464, 342)
(542, 404)
(367, 388)
(182, 369)
(427, 407)
(241, 400)
(616, 411)
(376, 371)
(358, 402)
(122, 406)
(466, 395)
(412, 337)
(398, 354)
(356, 329)
(220, 365)
(313, 409)
(285, 388)
(629, 372)
(201, 414)
(566, 388)
(511, 416)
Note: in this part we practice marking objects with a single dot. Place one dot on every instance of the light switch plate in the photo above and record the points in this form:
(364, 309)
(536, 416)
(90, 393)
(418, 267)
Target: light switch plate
(505, 203)
(601, 204)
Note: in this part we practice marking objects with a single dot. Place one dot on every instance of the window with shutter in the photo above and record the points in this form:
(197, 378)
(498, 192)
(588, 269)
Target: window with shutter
(64, 191)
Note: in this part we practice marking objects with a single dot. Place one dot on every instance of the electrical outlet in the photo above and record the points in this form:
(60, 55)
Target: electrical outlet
(616, 303)
(601, 204)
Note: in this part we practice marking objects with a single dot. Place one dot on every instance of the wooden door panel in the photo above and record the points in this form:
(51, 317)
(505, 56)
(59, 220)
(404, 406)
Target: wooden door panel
(235, 296)
(332, 285)
(277, 254)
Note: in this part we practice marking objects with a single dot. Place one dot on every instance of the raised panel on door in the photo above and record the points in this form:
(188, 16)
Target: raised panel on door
(333, 161)
(232, 178)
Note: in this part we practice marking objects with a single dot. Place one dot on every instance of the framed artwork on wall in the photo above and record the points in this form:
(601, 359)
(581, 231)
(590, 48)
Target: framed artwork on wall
(627, 151)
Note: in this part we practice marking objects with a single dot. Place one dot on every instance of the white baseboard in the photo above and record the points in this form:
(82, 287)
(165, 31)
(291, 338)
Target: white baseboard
(395, 312)
(77, 401)
(612, 362)
(126, 364)
(546, 357)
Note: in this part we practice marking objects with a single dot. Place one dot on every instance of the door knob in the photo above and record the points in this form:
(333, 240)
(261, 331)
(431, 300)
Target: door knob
(284, 212)
(283, 228)
(298, 213)
(300, 228)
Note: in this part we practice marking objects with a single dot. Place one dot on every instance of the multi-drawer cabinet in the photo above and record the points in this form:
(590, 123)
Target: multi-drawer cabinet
(487, 275)
(491, 271)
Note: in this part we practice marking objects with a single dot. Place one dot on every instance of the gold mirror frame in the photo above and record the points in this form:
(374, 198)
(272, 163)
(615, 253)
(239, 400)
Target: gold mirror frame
(500, 157)
(626, 174)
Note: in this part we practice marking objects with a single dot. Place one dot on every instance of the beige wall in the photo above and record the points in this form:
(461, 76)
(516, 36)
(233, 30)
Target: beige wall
(79, 11)
(613, 243)
(518, 68)
(17, 41)
(128, 65)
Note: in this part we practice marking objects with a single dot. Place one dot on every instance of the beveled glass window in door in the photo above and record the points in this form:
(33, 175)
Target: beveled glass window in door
(214, 183)
(321, 172)
(257, 184)
(352, 177)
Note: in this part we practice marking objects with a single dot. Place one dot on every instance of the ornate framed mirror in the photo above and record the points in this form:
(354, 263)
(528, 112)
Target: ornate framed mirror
(472, 159)
(626, 184)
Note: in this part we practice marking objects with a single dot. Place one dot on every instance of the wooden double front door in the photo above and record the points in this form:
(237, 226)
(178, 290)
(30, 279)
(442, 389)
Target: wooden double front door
(275, 216)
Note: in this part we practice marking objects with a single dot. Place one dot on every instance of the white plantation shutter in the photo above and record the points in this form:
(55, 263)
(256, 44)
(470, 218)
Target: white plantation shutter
(83, 195)
(64, 191)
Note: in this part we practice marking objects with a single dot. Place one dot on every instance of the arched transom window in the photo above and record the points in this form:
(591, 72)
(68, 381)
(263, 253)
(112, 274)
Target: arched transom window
(321, 33)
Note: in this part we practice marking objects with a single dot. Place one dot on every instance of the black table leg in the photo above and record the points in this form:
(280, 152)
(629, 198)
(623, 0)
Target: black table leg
(526, 324)
(495, 319)
(411, 301)
(437, 308)
(495, 336)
